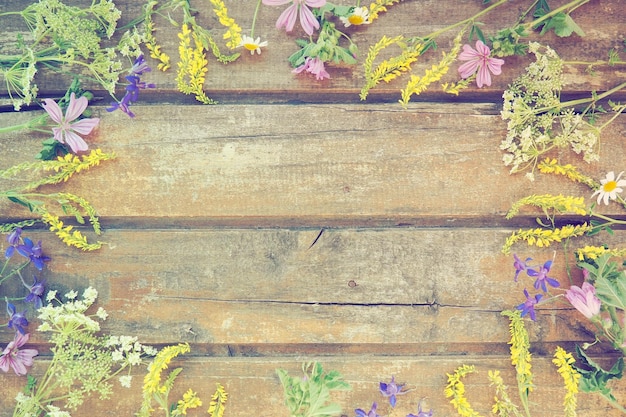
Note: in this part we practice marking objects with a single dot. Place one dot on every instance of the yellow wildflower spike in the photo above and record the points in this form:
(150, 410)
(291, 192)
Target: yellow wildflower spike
(564, 362)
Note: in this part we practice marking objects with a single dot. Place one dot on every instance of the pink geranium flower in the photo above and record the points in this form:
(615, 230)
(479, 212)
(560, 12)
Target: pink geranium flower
(478, 60)
(288, 16)
(584, 299)
(17, 359)
(315, 66)
(66, 131)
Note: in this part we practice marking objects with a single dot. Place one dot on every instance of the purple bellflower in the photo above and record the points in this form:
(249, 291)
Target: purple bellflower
(541, 277)
(421, 413)
(17, 321)
(36, 292)
(362, 413)
(14, 240)
(390, 390)
(519, 265)
(528, 306)
(132, 89)
(33, 252)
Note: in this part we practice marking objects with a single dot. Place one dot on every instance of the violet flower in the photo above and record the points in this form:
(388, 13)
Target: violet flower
(421, 413)
(519, 265)
(15, 358)
(36, 291)
(14, 240)
(478, 60)
(67, 132)
(542, 277)
(132, 89)
(139, 66)
(362, 413)
(288, 17)
(528, 306)
(390, 390)
(17, 321)
(33, 252)
(584, 299)
(313, 65)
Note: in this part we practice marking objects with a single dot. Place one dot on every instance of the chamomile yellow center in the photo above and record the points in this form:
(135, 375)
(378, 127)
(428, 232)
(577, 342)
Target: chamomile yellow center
(356, 20)
(250, 46)
(609, 186)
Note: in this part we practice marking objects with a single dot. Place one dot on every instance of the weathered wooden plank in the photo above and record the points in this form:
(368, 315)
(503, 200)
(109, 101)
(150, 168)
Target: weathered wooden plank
(434, 164)
(269, 77)
(411, 287)
(253, 385)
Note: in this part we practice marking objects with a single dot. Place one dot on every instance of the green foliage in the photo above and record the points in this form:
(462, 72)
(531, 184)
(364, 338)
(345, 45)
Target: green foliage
(610, 282)
(594, 378)
(309, 396)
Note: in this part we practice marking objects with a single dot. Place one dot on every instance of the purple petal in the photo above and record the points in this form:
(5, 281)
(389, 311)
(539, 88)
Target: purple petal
(483, 77)
(85, 126)
(466, 70)
(75, 108)
(53, 109)
(288, 18)
(468, 53)
(276, 2)
(315, 3)
(308, 21)
(75, 142)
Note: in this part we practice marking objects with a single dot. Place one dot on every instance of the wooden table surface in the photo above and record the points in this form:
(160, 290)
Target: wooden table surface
(295, 222)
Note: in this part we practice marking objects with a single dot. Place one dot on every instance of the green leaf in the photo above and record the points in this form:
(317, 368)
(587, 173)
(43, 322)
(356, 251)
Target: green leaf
(593, 377)
(563, 25)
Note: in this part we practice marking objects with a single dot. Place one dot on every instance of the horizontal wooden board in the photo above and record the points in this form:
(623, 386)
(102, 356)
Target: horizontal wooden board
(252, 384)
(272, 165)
(418, 288)
(268, 76)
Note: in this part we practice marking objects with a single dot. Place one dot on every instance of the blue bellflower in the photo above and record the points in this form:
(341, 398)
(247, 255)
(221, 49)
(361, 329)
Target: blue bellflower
(362, 413)
(519, 265)
(132, 89)
(36, 292)
(421, 413)
(14, 239)
(17, 321)
(541, 277)
(390, 390)
(528, 306)
(33, 252)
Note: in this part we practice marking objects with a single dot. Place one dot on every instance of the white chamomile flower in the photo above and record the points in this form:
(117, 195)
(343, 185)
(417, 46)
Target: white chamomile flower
(609, 187)
(359, 16)
(251, 44)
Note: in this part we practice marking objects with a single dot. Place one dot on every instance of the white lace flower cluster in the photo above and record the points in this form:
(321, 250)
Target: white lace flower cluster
(537, 120)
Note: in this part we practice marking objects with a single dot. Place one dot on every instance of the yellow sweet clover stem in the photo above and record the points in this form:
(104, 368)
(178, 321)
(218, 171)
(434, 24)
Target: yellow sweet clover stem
(564, 361)
(380, 6)
(551, 166)
(456, 390)
(192, 66)
(502, 406)
(558, 203)
(233, 30)
(455, 88)
(520, 355)
(417, 85)
(543, 238)
(594, 252)
(152, 380)
(218, 402)
(150, 40)
(190, 400)
(391, 68)
(67, 234)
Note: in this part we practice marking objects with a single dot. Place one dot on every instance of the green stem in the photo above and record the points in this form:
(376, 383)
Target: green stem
(580, 101)
(464, 22)
(32, 124)
(573, 5)
(613, 402)
(256, 12)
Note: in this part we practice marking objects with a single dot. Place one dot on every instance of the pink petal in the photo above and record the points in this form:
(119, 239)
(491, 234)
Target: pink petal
(482, 48)
(85, 126)
(4, 363)
(308, 21)
(75, 142)
(26, 356)
(21, 339)
(466, 70)
(58, 134)
(315, 3)
(276, 2)
(18, 367)
(288, 18)
(76, 107)
(483, 77)
(53, 109)
(468, 53)
(495, 65)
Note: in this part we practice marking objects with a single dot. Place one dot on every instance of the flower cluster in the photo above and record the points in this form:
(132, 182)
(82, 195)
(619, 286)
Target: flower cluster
(391, 390)
(542, 281)
(132, 89)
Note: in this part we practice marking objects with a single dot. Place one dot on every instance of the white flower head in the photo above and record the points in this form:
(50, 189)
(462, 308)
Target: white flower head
(251, 44)
(359, 16)
(125, 380)
(609, 187)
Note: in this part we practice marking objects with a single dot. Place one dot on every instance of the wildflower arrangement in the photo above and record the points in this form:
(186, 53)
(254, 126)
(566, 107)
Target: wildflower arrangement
(390, 391)
(310, 395)
(84, 362)
(156, 388)
(521, 360)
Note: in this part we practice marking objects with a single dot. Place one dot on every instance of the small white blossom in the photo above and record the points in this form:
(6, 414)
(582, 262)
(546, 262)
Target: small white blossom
(125, 380)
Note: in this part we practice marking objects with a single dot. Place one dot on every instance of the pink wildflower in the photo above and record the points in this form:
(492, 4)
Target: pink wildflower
(315, 66)
(478, 60)
(288, 16)
(15, 358)
(584, 299)
(66, 131)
